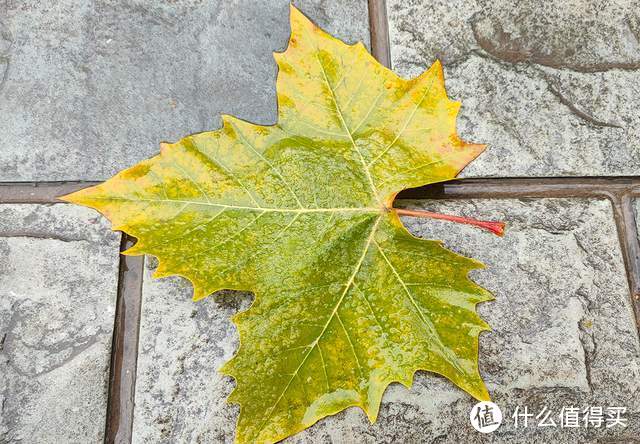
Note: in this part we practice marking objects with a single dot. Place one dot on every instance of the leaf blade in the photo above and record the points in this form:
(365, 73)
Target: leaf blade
(347, 301)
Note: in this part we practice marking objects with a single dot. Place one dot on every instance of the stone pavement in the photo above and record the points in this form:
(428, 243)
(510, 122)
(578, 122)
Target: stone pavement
(88, 88)
(93, 87)
(58, 280)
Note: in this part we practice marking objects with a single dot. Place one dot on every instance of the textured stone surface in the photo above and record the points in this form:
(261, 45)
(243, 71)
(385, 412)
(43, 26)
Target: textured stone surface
(58, 272)
(89, 88)
(563, 335)
(551, 86)
(179, 395)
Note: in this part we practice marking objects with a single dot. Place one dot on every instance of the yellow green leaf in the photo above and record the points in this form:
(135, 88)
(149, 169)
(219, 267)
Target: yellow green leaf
(300, 213)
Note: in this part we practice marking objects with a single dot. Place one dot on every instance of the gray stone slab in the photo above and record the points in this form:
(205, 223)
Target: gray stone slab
(563, 335)
(89, 88)
(58, 284)
(553, 87)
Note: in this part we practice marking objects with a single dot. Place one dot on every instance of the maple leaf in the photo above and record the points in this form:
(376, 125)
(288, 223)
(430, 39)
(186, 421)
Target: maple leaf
(347, 301)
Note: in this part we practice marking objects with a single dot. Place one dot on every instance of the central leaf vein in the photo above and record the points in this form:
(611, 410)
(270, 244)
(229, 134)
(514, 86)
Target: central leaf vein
(365, 167)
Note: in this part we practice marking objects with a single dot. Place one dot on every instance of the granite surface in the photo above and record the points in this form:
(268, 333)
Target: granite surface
(58, 284)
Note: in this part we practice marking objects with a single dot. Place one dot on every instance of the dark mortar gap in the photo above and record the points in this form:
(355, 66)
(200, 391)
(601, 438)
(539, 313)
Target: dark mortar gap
(508, 187)
(124, 350)
(628, 234)
(39, 192)
(379, 31)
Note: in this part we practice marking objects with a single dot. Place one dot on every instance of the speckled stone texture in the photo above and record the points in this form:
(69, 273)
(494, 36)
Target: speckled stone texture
(551, 86)
(179, 395)
(563, 335)
(89, 88)
(58, 284)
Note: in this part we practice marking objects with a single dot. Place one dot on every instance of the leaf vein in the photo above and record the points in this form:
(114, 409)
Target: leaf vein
(335, 310)
(406, 124)
(240, 207)
(344, 123)
(451, 359)
(324, 367)
(273, 168)
(353, 349)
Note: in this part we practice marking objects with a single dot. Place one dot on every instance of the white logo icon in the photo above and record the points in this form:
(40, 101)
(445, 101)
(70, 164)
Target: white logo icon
(485, 417)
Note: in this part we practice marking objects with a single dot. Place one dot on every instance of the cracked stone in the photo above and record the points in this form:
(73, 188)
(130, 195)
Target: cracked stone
(109, 80)
(552, 87)
(563, 335)
(58, 284)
